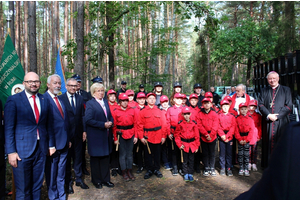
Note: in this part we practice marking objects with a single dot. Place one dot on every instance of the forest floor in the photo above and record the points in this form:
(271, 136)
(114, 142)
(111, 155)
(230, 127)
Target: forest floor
(168, 187)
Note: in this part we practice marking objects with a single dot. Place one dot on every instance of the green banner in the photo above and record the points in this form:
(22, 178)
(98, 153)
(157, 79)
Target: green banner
(11, 72)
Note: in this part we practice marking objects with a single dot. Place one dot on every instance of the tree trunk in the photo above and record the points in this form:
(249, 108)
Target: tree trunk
(74, 19)
(54, 33)
(87, 56)
(111, 54)
(45, 40)
(1, 30)
(18, 32)
(12, 22)
(26, 36)
(79, 66)
(208, 64)
(71, 19)
(32, 35)
(66, 31)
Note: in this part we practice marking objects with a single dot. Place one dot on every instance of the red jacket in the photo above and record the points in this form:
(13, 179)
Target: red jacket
(125, 118)
(226, 123)
(150, 118)
(233, 98)
(113, 108)
(257, 121)
(173, 116)
(195, 111)
(234, 112)
(133, 104)
(244, 124)
(187, 130)
(208, 124)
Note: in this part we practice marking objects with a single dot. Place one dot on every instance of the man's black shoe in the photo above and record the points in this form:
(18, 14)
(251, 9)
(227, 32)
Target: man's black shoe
(85, 171)
(140, 169)
(98, 185)
(114, 172)
(108, 184)
(82, 185)
(70, 190)
(158, 174)
(148, 174)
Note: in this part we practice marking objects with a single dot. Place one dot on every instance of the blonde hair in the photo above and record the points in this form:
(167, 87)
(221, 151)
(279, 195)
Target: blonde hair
(96, 86)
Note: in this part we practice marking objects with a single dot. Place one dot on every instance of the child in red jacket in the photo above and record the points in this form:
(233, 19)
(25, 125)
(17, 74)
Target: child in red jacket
(208, 124)
(253, 147)
(226, 130)
(133, 104)
(243, 133)
(187, 139)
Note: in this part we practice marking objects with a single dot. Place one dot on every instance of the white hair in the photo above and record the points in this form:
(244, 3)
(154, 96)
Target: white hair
(71, 79)
(242, 86)
(272, 72)
(53, 75)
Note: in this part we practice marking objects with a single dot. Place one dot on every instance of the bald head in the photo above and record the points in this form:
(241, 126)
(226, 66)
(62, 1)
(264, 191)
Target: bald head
(32, 83)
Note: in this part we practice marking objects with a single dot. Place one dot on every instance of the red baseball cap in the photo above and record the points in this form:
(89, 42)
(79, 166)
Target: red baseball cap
(224, 101)
(178, 95)
(111, 91)
(183, 96)
(243, 105)
(123, 96)
(194, 96)
(163, 98)
(208, 95)
(228, 98)
(186, 110)
(151, 93)
(253, 103)
(141, 95)
(129, 92)
(206, 99)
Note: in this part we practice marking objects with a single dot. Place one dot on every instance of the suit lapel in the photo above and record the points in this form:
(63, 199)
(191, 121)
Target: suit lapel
(98, 104)
(42, 104)
(27, 106)
(65, 99)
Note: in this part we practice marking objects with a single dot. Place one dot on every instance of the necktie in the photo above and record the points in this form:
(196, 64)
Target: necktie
(72, 103)
(78, 92)
(59, 107)
(36, 110)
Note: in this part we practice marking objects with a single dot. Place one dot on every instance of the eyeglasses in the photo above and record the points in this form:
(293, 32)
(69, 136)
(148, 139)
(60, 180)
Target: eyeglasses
(186, 113)
(72, 85)
(33, 82)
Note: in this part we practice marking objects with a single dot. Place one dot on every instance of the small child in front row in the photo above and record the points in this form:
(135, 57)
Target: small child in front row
(244, 133)
(226, 131)
(253, 147)
(188, 141)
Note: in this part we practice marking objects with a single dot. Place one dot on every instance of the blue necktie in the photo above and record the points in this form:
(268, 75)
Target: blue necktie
(73, 105)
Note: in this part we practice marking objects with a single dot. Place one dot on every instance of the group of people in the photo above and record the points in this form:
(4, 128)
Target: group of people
(44, 132)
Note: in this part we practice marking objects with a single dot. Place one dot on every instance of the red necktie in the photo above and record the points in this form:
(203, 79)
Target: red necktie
(36, 110)
(59, 107)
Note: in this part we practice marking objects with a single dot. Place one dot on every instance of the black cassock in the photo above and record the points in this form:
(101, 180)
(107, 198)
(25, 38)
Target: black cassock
(272, 131)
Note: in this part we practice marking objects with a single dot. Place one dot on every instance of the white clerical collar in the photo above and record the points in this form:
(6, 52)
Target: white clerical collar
(275, 87)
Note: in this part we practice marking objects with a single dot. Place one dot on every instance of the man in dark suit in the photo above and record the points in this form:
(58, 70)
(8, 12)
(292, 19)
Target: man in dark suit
(86, 98)
(28, 136)
(56, 164)
(75, 110)
(2, 158)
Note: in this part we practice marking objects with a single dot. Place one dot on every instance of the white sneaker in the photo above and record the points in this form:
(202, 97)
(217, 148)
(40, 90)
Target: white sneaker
(254, 168)
(249, 166)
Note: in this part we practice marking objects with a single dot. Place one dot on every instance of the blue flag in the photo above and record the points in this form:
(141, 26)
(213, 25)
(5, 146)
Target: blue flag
(60, 71)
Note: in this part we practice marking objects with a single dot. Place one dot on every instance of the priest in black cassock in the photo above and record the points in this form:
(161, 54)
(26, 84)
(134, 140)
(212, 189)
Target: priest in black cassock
(275, 104)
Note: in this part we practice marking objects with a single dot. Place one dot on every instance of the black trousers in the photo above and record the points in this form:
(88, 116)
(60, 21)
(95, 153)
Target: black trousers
(100, 169)
(225, 156)
(2, 170)
(243, 155)
(152, 161)
(208, 150)
(197, 159)
(125, 154)
(83, 155)
(188, 162)
(166, 151)
(75, 153)
(138, 156)
(114, 158)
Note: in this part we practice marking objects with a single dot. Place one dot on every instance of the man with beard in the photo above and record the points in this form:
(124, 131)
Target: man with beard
(28, 134)
(56, 164)
(275, 104)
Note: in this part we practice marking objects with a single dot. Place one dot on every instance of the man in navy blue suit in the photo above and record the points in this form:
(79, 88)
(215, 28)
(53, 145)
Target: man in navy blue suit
(28, 136)
(75, 109)
(56, 164)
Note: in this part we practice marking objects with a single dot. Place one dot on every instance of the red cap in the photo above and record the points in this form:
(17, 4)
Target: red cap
(163, 98)
(253, 103)
(224, 101)
(141, 95)
(123, 96)
(186, 110)
(178, 95)
(243, 105)
(111, 91)
(151, 93)
(194, 96)
(228, 98)
(183, 96)
(129, 92)
(206, 99)
(208, 95)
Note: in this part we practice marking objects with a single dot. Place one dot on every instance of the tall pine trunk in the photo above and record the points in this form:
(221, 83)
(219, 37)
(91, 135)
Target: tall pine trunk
(79, 65)
(32, 35)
